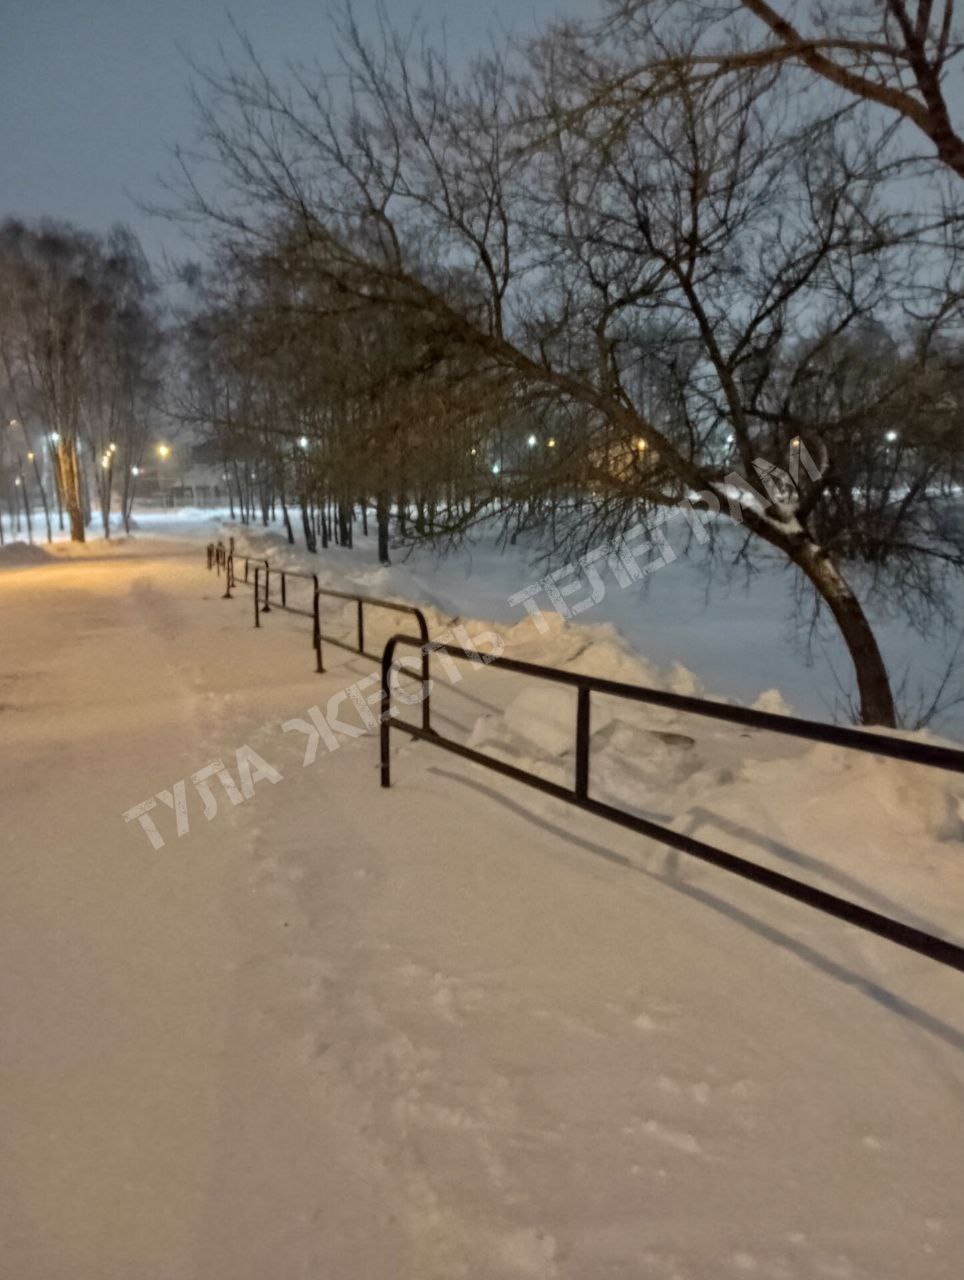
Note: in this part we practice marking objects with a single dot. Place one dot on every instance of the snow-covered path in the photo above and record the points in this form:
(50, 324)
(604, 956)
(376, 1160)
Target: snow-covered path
(441, 1031)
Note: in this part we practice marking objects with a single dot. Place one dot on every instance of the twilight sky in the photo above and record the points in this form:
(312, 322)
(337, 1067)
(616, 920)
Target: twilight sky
(92, 92)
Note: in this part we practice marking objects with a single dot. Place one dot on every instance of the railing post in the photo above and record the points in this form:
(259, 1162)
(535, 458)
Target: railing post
(284, 590)
(266, 608)
(228, 577)
(582, 743)
(257, 616)
(426, 682)
(210, 556)
(319, 665)
(361, 628)
(384, 727)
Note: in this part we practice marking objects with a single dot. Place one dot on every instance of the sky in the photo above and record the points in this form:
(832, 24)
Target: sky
(93, 93)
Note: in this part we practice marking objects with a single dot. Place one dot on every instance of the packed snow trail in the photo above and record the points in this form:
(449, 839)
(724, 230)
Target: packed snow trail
(447, 1030)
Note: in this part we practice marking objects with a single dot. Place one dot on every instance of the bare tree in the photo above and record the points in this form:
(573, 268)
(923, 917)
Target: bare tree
(890, 53)
(637, 272)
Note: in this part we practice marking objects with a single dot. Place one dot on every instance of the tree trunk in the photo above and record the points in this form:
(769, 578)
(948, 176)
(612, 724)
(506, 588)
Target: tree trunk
(287, 522)
(26, 501)
(873, 683)
(310, 542)
(344, 526)
(58, 492)
(43, 498)
(382, 508)
(69, 477)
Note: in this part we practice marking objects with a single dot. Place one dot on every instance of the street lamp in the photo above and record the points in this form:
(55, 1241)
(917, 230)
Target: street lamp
(163, 452)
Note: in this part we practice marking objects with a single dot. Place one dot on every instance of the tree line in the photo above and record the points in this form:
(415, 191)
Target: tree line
(81, 363)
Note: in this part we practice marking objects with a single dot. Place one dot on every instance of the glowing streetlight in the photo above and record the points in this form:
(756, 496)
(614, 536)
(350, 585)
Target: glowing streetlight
(551, 442)
(30, 457)
(303, 442)
(105, 461)
(473, 452)
(135, 471)
(15, 422)
(55, 437)
(532, 442)
(163, 452)
(496, 468)
(17, 482)
(112, 448)
(890, 437)
(640, 445)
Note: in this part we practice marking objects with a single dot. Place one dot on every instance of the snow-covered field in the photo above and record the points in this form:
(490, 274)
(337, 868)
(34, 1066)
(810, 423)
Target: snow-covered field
(456, 1028)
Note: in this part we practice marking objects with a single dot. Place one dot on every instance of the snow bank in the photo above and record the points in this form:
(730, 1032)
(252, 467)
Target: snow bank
(15, 554)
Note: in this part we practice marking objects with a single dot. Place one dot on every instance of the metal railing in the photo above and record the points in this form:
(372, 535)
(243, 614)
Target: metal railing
(262, 605)
(945, 952)
(232, 580)
(264, 572)
(216, 556)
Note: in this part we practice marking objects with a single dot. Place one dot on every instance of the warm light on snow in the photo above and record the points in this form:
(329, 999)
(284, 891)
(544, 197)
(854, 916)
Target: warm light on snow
(453, 1013)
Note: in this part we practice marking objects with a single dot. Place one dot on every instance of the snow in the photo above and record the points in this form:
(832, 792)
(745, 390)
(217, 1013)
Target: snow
(455, 1028)
(732, 627)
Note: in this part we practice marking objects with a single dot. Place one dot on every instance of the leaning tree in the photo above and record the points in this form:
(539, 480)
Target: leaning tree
(669, 278)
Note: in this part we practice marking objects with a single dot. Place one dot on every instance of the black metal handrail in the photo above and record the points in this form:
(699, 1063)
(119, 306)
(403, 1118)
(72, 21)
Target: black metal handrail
(394, 606)
(216, 556)
(232, 580)
(262, 605)
(903, 935)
